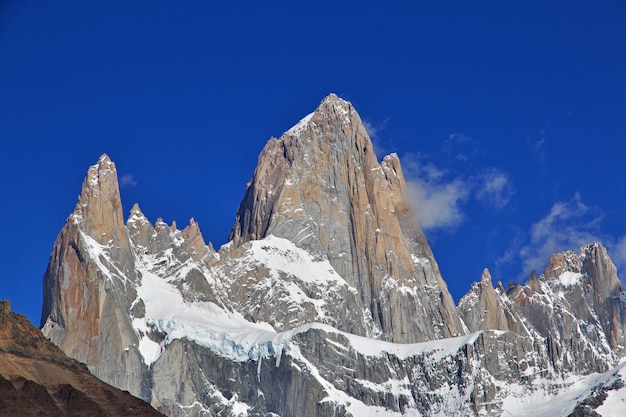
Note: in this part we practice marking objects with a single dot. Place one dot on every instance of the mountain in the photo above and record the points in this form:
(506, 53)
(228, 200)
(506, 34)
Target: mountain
(38, 379)
(327, 300)
(321, 187)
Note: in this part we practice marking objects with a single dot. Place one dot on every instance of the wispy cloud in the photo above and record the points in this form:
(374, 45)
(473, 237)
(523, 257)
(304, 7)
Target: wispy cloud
(538, 146)
(461, 147)
(439, 195)
(437, 206)
(128, 180)
(568, 225)
(518, 239)
(371, 130)
(435, 197)
(381, 146)
(617, 251)
(495, 189)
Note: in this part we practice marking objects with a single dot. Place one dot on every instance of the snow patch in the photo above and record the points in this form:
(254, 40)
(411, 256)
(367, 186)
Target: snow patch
(231, 335)
(339, 398)
(99, 254)
(149, 349)
(399, 387)
(569, 392)
(568, 278)
(283, 256)
(615, 402)
(301, 125)
(437, 349)
(417, 260)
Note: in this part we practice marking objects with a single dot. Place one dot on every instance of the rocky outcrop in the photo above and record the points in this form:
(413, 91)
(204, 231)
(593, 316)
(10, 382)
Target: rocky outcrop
(38, 379)
(321, 187)
(481, 308)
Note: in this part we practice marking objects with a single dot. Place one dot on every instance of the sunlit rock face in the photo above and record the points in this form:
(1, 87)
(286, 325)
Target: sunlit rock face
(321, 187)
(90, 282)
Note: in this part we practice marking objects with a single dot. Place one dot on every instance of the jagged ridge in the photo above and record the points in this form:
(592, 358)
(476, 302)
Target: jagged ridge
(323, 235)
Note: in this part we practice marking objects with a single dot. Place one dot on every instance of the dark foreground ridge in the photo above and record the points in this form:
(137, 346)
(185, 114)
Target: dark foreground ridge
(38, 379)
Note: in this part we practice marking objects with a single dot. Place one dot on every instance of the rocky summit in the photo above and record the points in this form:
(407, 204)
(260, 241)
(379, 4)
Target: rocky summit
(321, 187)
(327, 301)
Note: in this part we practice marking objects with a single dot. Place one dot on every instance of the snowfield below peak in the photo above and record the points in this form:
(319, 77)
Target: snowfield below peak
(290, 276)
(231, 335)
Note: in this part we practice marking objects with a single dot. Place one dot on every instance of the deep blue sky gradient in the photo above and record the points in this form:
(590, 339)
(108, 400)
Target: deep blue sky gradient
(183, 98)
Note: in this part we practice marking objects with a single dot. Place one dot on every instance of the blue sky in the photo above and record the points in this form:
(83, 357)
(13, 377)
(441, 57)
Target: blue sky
(509, 117)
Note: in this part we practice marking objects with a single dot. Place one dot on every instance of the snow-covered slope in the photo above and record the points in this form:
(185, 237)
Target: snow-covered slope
(166, 312)
(614, 404)
(417, 378)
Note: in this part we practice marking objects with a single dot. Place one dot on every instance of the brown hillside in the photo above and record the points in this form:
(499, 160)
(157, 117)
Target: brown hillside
(38, 379)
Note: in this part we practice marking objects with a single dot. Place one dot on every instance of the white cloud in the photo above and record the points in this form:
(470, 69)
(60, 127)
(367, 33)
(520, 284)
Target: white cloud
(568, 226)
(128, 180)
(436, 200)
(372, 131)
(494, 189)
(438, 195)
(459, 137)
(437, 206)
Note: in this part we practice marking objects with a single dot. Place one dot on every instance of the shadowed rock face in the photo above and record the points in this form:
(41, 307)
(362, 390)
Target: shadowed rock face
(320, 186)
(38, 379)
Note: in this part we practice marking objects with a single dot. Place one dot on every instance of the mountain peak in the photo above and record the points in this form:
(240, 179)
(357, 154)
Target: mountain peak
(336, 102)
(104, 159)
(332, 136)
(333, 97)
(486, 277)
(321, 187)
(331, 109)
(481, 308)
(324, 248)
(136, 209)
(99, 207)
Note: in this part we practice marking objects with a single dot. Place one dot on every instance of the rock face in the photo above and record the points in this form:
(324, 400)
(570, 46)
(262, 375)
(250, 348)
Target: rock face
(482, 309)
(578, 307)
(569, 320)
(320, 186)
(86, 295)
(90, 285)
(327, 301)
(38, 379)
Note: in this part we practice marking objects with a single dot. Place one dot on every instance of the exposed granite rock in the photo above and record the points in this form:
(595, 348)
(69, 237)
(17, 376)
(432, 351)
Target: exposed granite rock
(576, 308)
(481, 308)
(87, 298)
(320, 186)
